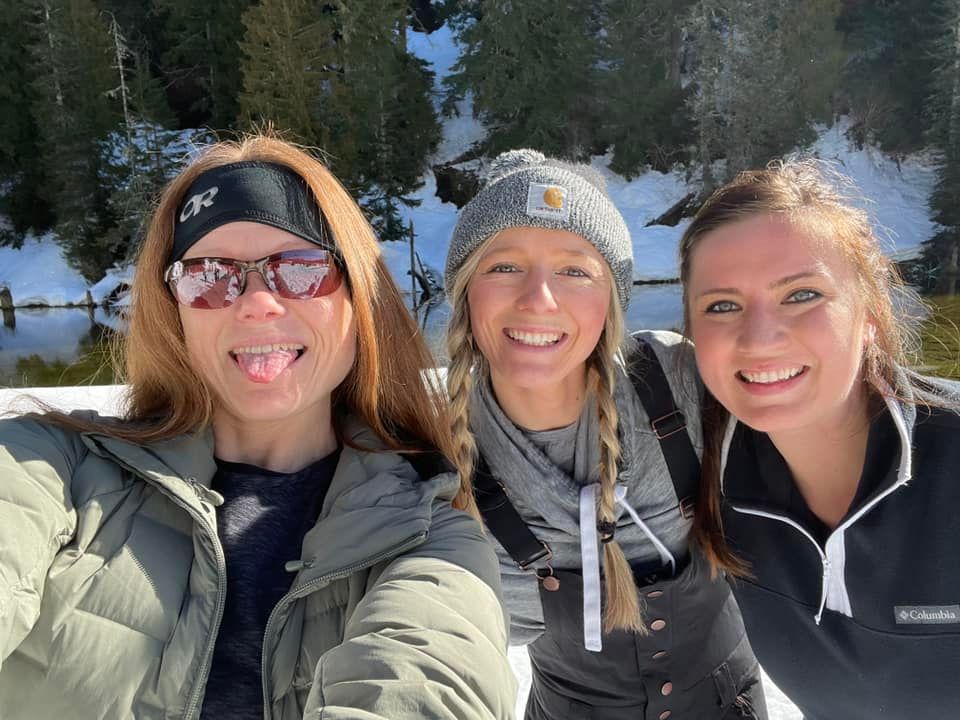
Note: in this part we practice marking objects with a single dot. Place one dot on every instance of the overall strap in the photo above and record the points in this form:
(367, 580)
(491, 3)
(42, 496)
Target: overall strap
(668, 424)
(504, 521)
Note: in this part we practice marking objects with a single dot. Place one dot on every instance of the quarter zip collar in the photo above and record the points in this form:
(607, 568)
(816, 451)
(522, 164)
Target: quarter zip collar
(834, 595)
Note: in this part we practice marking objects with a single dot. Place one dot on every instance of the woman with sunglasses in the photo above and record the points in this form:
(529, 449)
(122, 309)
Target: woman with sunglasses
(271, 530)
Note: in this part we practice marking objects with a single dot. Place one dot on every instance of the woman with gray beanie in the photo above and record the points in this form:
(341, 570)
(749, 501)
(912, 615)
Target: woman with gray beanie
(585, 444)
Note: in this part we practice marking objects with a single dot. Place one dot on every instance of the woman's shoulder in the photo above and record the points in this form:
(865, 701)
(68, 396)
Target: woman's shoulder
(38, 433)
(675, 356)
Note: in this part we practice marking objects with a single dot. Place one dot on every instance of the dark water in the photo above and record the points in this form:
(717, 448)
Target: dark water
(64, 346)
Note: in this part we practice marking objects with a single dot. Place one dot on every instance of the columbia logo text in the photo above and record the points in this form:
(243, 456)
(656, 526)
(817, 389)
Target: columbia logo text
(927, 614)
(199, 201)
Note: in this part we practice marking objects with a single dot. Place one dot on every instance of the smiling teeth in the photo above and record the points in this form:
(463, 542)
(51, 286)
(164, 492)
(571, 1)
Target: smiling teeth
(264, 349)
(534, 338)
(765, 378)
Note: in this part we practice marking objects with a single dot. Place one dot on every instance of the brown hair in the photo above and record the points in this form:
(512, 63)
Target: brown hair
(811, 195)
(622, 609)
(386, 388)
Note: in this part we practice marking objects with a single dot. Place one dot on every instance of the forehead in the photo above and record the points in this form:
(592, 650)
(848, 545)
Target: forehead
(759, 250)
(541, 242)
(246, 241)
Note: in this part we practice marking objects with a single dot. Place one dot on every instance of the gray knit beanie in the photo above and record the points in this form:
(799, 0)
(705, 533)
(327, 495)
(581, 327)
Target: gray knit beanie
(526, 188)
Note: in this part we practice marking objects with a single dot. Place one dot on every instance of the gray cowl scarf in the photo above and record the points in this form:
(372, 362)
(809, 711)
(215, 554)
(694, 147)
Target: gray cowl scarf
(548, 498)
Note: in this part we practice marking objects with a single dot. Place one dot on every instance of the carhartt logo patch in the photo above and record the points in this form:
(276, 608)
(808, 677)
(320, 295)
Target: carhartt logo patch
(548, 201)
(926, 614)
(199, 201)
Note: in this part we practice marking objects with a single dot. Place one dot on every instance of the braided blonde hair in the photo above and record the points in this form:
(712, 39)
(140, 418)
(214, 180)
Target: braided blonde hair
(622, 601)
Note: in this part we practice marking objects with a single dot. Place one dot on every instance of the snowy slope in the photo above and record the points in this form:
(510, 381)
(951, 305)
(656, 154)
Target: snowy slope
(895, 193)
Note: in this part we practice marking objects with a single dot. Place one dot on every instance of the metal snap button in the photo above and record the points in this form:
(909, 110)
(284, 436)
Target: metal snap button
(667, 688)
(660, 655)
(658, 624)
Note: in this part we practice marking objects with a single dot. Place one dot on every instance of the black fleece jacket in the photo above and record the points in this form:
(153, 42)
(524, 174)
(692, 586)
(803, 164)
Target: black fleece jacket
(862, 623)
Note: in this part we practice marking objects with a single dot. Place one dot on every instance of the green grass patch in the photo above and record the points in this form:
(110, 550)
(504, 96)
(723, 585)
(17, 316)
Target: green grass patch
(91, 368)
(940, 337)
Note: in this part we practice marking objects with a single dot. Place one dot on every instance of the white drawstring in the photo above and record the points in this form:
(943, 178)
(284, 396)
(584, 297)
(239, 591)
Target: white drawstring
(590, 561)
(590, 558)
(666, 557)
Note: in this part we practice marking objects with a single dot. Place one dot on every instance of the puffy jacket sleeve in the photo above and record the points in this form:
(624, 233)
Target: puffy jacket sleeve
(36, 519)
(429, 638)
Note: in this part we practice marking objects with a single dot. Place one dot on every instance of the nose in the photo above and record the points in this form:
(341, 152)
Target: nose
(761, 331)
(257, 301)
(536, 293)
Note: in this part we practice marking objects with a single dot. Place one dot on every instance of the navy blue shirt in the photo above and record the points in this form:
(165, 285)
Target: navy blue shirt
(261, 525)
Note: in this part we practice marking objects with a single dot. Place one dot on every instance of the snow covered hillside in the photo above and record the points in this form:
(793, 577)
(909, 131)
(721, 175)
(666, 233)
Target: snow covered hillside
(895, 194)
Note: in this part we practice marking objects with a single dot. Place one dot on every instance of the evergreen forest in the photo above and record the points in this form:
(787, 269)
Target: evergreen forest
(102, 98)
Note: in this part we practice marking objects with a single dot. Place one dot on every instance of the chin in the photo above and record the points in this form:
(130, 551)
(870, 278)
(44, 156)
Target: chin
(531, 378)
(771, 420)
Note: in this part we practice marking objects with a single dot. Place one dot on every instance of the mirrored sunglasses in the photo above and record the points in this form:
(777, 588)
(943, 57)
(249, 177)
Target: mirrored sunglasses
(211, 283)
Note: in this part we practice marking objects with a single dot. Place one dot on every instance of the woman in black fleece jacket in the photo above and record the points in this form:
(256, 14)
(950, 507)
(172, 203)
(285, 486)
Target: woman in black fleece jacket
(830, 470)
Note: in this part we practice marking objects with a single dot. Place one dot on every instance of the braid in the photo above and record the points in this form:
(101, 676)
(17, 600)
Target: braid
(459, 385)
(623, 611)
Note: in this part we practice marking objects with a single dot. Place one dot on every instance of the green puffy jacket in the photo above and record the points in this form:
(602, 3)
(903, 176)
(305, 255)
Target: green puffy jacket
(112, 587)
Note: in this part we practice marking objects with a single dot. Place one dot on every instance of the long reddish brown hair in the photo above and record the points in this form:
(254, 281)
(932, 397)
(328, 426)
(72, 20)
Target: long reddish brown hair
(387, 387)
(811, 195)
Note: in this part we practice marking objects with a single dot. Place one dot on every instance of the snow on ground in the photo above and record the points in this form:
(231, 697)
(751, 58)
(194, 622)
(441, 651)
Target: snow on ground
(107, 399)
(893, 192)
(115, 277)
(894, 195)
(433, 223)
(462, 130)
(657, 307)
(38, 274)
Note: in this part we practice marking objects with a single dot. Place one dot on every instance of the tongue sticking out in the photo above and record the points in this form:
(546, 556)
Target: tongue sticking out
(265, 367)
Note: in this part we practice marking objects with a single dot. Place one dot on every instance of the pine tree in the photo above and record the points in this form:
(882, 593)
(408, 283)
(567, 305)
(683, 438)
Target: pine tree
(76, 112)
(20, 166)
(287, 48)
(764, 72)
(532, 71)
(337, 75)
(642, 97)
(202, 58)
(941, 253)
(139, 159)
(890, 69)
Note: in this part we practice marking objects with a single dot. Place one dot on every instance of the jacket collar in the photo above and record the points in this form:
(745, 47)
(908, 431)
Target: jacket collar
(376, 499)
(180, 466)
(900, 404)
(376, 503)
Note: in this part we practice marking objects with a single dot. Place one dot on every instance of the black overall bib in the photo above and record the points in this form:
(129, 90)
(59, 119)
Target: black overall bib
(694, 664)
(697, 665)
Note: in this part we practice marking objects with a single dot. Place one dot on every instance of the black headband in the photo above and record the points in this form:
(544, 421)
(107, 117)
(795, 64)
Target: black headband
(250, 191)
